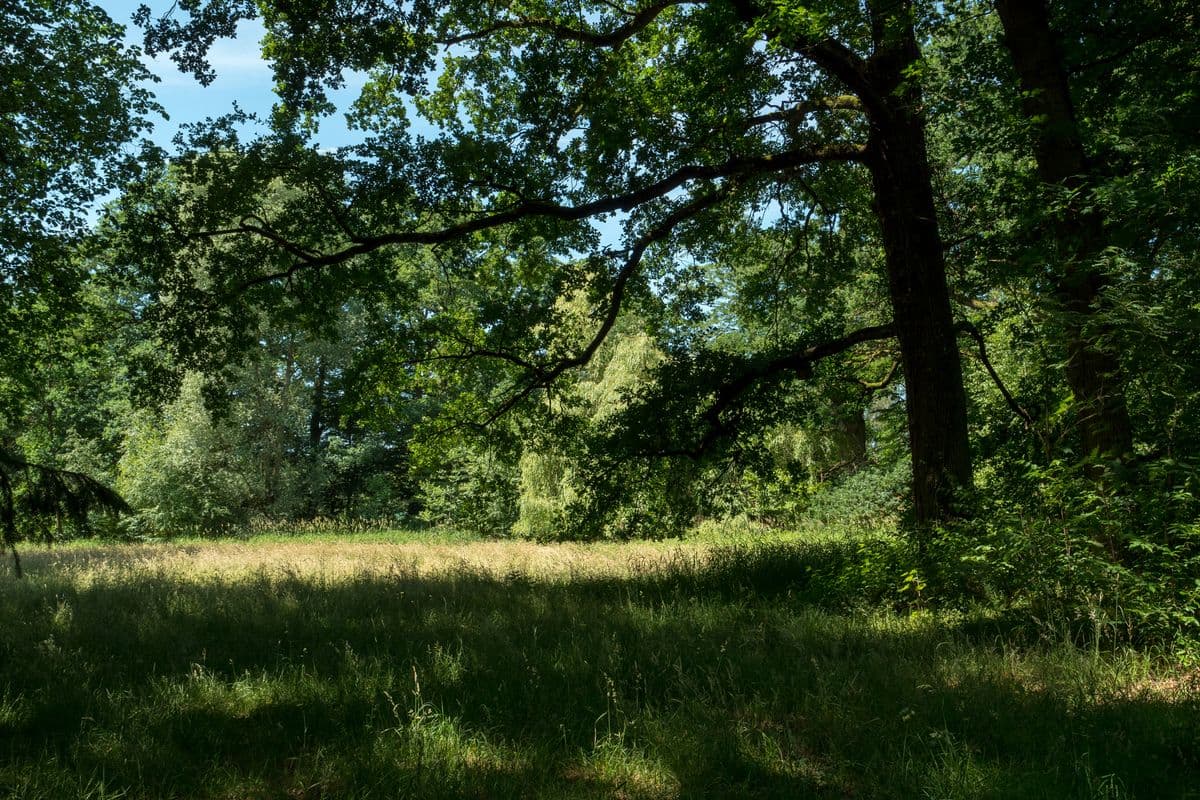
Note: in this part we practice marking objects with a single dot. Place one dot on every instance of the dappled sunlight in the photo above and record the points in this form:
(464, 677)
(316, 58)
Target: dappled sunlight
(333, 559)
(564, 671)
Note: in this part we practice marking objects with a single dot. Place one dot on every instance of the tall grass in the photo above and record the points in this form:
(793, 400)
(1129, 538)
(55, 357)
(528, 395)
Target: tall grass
(313, 668)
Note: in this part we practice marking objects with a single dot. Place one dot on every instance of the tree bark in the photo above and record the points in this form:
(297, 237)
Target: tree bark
(935, 399)
(1093, 373)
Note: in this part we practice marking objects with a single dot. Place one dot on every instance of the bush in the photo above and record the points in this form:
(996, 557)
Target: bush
(1116, 558)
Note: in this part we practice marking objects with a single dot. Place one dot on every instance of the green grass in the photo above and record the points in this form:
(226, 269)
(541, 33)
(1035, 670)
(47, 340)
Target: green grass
(246, 671)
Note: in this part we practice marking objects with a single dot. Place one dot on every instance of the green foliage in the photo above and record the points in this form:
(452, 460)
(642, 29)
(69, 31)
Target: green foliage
(180, 471)
(545, 491)
(873, 496)
(72, 98)
(1116, 563)
(571, 301)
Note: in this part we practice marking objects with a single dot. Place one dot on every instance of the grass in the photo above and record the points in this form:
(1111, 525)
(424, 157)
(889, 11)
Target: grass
(314, 667)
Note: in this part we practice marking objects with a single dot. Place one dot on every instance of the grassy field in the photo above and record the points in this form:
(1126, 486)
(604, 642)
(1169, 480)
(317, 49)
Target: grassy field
(386, 666)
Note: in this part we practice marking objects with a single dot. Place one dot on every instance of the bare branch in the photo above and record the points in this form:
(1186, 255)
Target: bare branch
(973, 332)
(797, 113)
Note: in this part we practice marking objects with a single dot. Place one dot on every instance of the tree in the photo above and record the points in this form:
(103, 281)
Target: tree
(71, 99)
(1087, 143)
(1093, 373)
(679, 118)
(1068, 123)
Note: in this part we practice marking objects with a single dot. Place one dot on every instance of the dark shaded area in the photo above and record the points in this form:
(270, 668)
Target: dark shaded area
(733, 679)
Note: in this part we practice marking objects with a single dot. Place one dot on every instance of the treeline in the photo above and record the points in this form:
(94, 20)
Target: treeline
(299, 428)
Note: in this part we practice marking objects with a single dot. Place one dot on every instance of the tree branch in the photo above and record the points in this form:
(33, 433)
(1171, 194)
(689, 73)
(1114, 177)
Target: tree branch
(845, 102)
(969, 329)
(827, 53)
(737, 167)
(545, 376)
(799, 362)
(870, 387)
(614, 38)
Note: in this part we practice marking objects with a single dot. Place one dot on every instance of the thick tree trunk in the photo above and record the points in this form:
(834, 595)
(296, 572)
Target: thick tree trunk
(933, 382)
(935, 398)
(1093, 373)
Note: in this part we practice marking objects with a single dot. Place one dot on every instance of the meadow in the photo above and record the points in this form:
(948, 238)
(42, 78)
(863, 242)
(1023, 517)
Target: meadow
(386, 665)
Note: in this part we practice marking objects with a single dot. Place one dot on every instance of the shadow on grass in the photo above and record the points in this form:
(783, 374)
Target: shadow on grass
(738, 679)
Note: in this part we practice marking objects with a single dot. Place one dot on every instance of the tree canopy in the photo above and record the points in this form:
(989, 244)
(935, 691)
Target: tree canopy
(73, 103)
(606, 270)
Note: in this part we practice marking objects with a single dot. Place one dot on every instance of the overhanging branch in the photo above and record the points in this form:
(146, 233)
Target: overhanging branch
(973, 332)
(638, 21)
(799, 363)
(733, 168)
(544, 376)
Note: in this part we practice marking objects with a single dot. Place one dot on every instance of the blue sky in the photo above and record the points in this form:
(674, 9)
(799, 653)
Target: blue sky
(242, 76)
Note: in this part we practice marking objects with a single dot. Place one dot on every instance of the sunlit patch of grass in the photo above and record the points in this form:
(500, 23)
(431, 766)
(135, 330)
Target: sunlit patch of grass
(315, 668)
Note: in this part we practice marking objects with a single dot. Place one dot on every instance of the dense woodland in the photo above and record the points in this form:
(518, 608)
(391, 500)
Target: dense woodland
(606, 271)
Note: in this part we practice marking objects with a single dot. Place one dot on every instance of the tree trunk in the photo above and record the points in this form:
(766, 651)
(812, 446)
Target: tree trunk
(935, 399)
(316, 421)
(850, 436)
(1094, 374)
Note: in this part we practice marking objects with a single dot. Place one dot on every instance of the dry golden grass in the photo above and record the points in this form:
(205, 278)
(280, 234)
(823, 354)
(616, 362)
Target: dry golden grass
(332, 559)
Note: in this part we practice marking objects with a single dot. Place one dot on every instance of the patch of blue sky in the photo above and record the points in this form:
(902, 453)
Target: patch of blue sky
(243, 78)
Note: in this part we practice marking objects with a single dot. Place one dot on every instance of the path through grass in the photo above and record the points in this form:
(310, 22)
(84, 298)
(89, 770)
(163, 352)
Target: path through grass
(325, 668)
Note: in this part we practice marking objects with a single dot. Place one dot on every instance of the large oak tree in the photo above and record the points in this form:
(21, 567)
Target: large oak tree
(550, 125)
